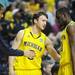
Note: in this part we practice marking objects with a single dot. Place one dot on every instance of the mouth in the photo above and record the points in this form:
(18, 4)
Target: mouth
(44, 26)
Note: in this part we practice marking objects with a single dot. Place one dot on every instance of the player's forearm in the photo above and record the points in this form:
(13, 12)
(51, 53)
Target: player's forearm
(72, 44)
(11, 69)
(54, 54)
(71, 34)
(73, 56)
(14, 52)
(73, 60)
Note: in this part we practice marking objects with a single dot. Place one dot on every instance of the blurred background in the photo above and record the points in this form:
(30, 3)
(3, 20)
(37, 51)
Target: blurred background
(18, 15)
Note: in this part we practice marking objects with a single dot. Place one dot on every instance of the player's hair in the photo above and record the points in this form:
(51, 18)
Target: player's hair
(62, 11)
(37, 15)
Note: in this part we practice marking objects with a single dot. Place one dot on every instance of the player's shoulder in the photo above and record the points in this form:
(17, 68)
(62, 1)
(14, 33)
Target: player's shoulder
(44, 36)
(72, 23)
(24, 30)
(71, 27)
(20, 32)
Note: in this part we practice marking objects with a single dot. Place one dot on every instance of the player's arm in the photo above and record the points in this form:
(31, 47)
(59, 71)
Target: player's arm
(51, 50)
(71, 33)
(11, 68)
(18, 39)
(15, 45)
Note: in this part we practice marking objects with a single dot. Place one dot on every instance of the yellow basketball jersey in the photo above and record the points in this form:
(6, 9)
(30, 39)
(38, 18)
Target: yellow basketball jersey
(31, 43)
(65, 52)
(65, 61)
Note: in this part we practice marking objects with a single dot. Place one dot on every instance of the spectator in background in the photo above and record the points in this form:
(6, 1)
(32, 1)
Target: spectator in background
(51, 5)
(5, 3)
(4, 47)
(34, 7)
(62, 3)
(17, 22)
(47, 66)
(26, 14)
(22, 17)
(73, 10)
(55, 68)
(9, 14)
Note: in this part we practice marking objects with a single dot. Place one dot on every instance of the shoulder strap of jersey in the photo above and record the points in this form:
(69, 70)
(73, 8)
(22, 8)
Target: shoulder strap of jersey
(22, 36)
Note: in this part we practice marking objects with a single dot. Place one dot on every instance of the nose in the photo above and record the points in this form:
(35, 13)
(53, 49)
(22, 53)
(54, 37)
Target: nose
(45, 22)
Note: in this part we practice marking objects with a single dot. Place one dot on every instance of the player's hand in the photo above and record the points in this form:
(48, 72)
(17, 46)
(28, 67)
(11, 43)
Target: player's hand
(30, 54)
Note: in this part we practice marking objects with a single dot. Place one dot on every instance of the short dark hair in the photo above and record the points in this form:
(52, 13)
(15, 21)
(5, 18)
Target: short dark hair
(38, 14)
(62, 10)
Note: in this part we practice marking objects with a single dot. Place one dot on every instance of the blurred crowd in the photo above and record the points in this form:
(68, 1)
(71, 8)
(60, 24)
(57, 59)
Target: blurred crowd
(18, 15)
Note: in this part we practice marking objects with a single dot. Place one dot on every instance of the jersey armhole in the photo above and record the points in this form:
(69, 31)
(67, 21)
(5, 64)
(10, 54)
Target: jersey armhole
(22, 37)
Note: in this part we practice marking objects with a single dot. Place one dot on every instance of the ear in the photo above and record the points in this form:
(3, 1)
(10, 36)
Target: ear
(44, 68)
(35, 21)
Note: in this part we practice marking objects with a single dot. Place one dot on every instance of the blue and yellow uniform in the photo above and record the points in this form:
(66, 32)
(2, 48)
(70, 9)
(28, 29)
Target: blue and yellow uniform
(65, 61)
(22, 64)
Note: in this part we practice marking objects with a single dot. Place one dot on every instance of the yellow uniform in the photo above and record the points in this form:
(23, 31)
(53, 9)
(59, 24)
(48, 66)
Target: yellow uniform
(9, 17)
(22, 64)
(50, 5)
(65, 61)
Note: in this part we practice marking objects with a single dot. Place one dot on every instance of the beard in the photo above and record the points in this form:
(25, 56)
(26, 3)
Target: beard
(63, 24)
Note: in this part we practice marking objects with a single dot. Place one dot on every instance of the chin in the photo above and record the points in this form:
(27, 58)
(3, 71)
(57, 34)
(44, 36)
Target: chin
(42, 28)
(62, 28)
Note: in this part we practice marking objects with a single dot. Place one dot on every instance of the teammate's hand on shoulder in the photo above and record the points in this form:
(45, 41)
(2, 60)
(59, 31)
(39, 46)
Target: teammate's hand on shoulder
(30, 54)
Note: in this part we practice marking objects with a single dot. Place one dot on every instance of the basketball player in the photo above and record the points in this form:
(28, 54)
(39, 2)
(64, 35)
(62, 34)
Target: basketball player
(67, 61)
(33, 39)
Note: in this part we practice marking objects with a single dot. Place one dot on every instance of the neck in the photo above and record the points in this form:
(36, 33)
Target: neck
(35, 29)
